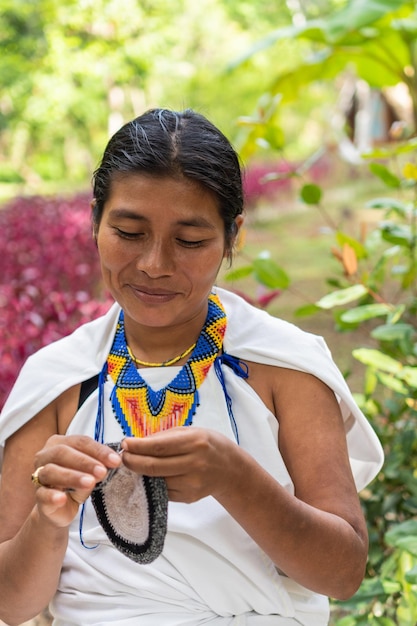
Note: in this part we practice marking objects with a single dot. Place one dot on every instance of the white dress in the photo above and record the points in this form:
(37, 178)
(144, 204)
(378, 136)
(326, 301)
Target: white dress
(210, 570)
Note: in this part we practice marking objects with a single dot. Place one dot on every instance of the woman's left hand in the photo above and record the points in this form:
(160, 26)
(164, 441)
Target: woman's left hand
(194, 461)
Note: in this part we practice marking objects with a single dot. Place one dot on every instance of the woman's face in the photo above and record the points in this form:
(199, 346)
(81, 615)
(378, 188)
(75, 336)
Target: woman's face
(161, 243)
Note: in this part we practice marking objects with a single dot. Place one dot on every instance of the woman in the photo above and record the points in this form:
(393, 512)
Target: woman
(240, 420)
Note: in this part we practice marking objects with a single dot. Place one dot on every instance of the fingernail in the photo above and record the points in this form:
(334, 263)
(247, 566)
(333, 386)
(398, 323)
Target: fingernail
(113, 457)
(100, 471)
(87, 481)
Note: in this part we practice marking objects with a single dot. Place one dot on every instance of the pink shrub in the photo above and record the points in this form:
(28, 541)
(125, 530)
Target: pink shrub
(264, 181)
(50, 278)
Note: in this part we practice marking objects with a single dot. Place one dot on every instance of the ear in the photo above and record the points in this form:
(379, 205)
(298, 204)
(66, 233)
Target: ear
(239, 221)
(234, 242)
(240, 234)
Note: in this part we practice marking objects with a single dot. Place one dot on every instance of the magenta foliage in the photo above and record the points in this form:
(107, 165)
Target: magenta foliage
(263, 298)
(263, 181)
(50, 278)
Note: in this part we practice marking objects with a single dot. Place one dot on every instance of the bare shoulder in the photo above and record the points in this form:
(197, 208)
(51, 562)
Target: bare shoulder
(286, 390)
(17, 493)
(307, 410)
(312, 438)
(279, 387)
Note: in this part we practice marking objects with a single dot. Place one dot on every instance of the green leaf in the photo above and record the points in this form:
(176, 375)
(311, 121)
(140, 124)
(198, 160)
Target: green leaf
(268, 273)
(340, 325)
(409, 544)
(358, 14)
(397, 233)
(385, 175)
(292, 84)
(391, 252)
(287, 32)
(392, 332)
(411, 575)
(370, 382)
(311, 194)
(365, 312)
(395, 149)
(404, 529)
(342, 296)
(391, 586)
(409, 375)
(275, 137)
(388, 203)
(358, 247)
(409, 277)
(378, 360)
(239, 273)
(390, 382)
(306, 310)
(396, 314)
(383, 621)
(369, 590)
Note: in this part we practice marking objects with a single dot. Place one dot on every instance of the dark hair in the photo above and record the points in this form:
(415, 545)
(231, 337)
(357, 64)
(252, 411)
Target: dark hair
(178, 144)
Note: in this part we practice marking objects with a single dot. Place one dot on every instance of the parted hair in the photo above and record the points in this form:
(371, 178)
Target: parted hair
(164, 143)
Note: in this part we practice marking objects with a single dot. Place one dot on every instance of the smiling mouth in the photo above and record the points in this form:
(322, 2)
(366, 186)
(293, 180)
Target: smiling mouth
(152, 295)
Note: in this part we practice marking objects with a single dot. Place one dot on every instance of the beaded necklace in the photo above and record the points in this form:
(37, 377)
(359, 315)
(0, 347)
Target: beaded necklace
(141, 410)
(162, 363)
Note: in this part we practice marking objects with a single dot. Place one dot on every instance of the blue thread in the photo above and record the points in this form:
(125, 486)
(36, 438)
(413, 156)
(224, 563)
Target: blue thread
(98, 436)
(80, 528)
(241, 369)
(99, 427)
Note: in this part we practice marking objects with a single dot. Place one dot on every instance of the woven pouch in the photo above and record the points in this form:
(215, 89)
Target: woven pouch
(132, 510)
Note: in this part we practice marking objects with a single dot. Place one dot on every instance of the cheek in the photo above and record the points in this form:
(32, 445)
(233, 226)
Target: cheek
(111, 253)
(206, 266)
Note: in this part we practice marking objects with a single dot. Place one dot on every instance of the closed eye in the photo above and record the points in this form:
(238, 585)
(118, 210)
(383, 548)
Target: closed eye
(126, 234)
(190, 244)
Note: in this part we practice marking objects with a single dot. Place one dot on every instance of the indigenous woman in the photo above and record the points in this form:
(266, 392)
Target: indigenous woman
(193, 459)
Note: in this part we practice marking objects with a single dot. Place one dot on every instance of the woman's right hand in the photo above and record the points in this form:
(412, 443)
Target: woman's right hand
(34, 520)
(68, 468)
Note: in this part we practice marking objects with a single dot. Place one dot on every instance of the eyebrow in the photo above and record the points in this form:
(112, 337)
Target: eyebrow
(196, 222)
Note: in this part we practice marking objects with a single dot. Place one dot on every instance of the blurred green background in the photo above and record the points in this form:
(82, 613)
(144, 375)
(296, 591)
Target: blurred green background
(72, 72)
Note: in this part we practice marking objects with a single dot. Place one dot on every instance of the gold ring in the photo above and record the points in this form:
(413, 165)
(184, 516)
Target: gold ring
(35, 477)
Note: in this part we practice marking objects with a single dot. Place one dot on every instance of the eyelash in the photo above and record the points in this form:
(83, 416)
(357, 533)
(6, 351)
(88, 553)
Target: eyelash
(125, 235)
(190, 244)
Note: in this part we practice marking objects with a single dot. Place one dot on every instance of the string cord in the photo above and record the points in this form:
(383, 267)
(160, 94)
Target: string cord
(240, 368)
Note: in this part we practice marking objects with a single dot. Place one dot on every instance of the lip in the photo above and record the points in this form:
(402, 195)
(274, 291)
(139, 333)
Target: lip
(152, 296)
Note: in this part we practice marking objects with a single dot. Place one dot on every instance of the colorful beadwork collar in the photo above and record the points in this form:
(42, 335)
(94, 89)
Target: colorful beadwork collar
(139, 409)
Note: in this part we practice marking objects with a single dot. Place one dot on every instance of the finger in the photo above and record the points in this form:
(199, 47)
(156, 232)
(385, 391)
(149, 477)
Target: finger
(85, 445)
(54, 476)
(50, 500)
(59, 507)
(82, 454)
(155, 466)
(176, 441)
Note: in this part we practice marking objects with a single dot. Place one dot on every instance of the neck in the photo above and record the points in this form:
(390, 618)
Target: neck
(158, 346)
(172, 361)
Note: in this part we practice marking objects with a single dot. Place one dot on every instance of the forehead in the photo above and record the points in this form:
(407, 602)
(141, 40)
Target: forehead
(156, 194)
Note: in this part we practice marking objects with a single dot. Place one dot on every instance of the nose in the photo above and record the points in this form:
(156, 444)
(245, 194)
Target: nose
(155, 259)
